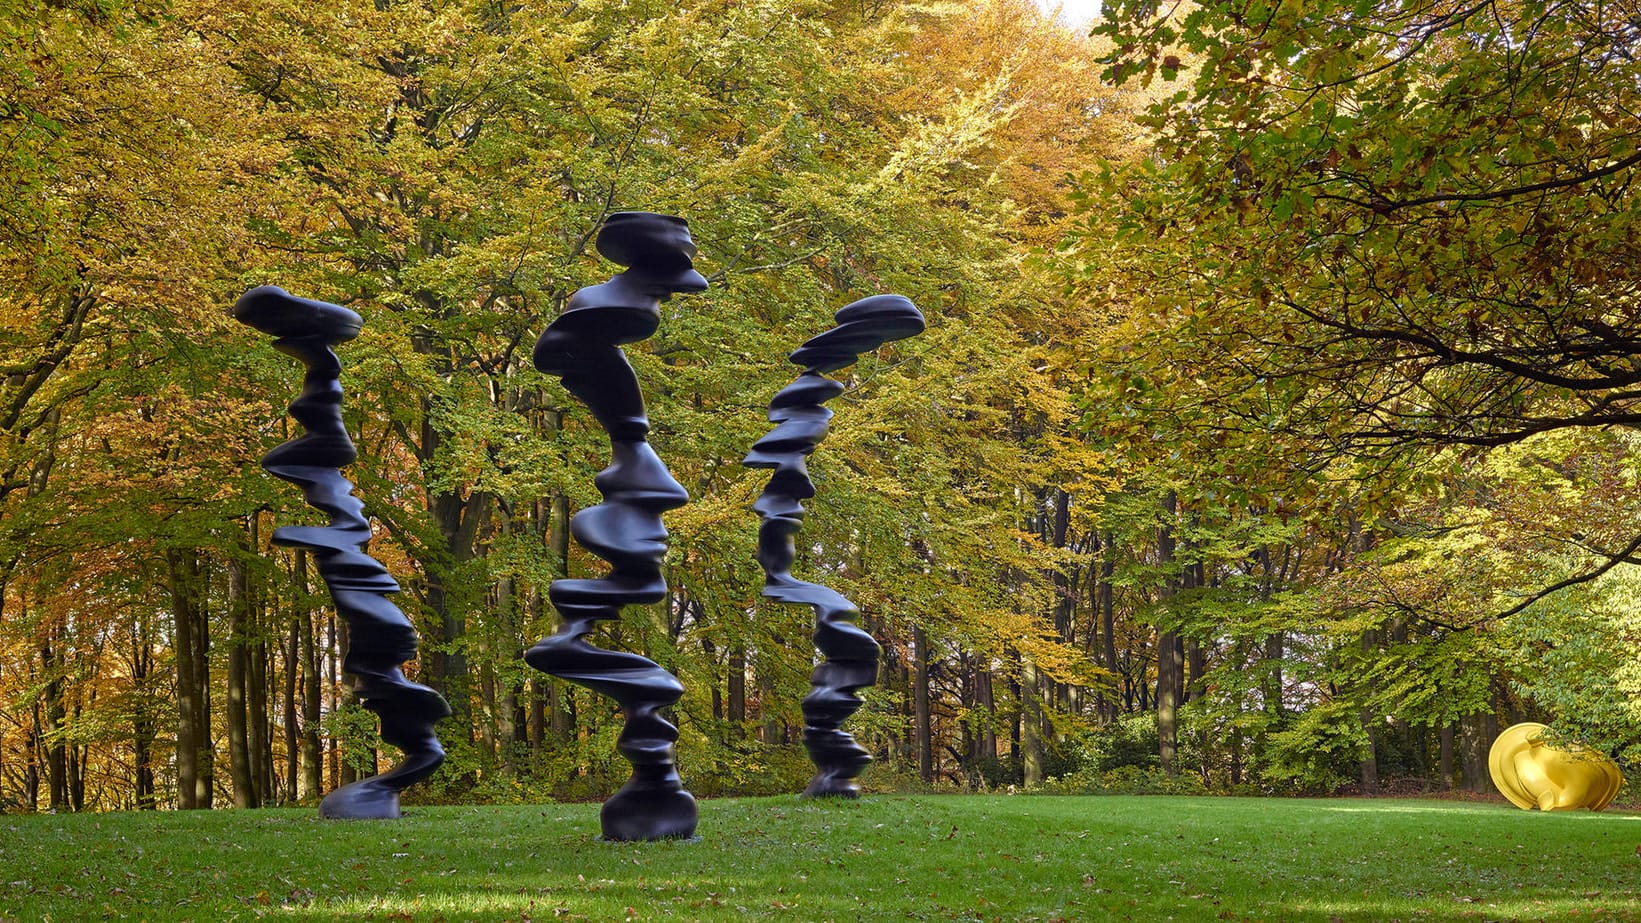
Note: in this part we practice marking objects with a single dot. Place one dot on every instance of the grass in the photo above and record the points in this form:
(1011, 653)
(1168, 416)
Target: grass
(950, 857)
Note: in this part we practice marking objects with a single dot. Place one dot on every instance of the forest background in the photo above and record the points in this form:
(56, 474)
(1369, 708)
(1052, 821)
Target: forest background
(1273, 431)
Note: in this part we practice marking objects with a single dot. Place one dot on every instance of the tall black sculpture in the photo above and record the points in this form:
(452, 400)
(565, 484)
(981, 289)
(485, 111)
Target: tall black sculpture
(849, 654)
(380, 637)
(582, 346)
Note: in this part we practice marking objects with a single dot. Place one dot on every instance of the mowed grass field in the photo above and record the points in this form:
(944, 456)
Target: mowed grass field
(946, 857)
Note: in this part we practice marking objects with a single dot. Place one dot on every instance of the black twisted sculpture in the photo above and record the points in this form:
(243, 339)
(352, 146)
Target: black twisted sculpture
(582, 346)
(380, 637)
(850, 654)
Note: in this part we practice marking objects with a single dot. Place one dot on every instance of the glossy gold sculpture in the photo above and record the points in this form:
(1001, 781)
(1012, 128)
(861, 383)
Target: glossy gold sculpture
(1532, 773)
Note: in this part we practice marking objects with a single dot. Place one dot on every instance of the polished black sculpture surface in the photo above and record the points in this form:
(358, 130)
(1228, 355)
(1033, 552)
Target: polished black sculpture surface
(380, 637)
(582, 346)
(849, 655)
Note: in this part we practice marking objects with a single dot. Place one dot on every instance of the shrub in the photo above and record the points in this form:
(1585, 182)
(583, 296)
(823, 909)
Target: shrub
(1123, 780)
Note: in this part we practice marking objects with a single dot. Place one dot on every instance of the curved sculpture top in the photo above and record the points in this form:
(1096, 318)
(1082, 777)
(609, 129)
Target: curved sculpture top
(582, 346)
(1532, 773)
(380, 637)
(849, 654)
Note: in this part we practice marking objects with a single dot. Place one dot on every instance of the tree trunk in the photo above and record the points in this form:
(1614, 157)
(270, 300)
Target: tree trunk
(143, 730)
(190, 638)
(1445, 757)
(239, 758)
(709, 651)
(774, 729)
(538, 714)
(293, 745)
(347, 770)
(1271, 683)
(1370, 727)
(1370, 756)
(736, 681)
(1031, 724)
(968, 748)
(1170, 676)
(986, 699)
(31, 772)
(260, 739)
(1476, 734)
(1105, 602)
(505, 692)
(460, 521)
(922, 726)
(1170, 653)
(313, 776)
(56, 747)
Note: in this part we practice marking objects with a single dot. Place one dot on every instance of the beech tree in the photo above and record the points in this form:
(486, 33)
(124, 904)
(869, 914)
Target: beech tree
(1371, 231)
(1398, 223)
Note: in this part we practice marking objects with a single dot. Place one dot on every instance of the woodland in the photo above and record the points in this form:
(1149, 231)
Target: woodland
(1274, 430)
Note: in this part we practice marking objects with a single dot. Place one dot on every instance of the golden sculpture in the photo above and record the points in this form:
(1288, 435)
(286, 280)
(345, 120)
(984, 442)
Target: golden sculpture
(1533, 773)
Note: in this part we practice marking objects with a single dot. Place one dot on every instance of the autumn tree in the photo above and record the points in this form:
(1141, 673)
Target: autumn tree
(1370, 231)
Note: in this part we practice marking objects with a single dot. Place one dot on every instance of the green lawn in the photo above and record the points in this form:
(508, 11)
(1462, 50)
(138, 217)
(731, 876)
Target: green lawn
(951, 857)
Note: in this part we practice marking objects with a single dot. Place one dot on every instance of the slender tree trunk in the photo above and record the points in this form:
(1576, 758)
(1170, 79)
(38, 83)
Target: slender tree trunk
(292, 729)
(538, 715)
(143, 730)
(1370, 757)
(1105, 601)
(56, 748)
(347, 770)
(1445, 757)
(76, 775)
(986, 699)
(922, 731)
(1170, 654)
(1031, 723)
(1272, 684)
(967, 695)
(558, 714)
(506, 692)
(260, 739)
(77, 759)
(239, 758)
(737, 685)
(205, 782)
(710, 652)
(489, 717)
(773, 727)
(3, 762)
(1017, 691)
(313, 783)
(31, 772)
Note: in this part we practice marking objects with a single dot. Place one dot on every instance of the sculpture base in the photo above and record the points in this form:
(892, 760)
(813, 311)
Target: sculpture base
(648, 814)
(366, 799)
(831, 787)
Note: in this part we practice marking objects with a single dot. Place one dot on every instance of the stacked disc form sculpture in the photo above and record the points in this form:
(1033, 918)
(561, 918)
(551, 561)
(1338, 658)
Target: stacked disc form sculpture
(582, 346)
(849, 655)
(380, 637)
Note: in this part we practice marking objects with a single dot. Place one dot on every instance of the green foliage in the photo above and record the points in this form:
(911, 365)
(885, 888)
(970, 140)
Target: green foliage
(1319, 751)
(1129, 742)
(1570, 655)
(354, 730)
(1122, 780)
